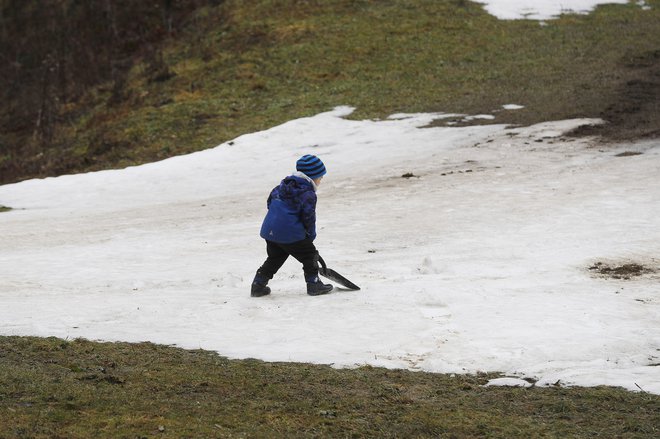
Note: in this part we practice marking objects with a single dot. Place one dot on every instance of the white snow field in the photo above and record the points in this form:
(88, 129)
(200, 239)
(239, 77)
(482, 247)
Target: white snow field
(542, 9)
(480, 262)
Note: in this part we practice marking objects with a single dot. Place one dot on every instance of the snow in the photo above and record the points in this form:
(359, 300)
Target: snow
(478, 263)
(508, 382)
(513, 107)
(542, 9)
(479, 116)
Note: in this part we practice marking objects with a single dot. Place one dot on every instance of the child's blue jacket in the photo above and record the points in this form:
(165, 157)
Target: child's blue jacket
(291, 213)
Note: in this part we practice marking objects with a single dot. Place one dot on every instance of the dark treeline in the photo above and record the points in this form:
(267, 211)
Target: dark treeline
(53, 51)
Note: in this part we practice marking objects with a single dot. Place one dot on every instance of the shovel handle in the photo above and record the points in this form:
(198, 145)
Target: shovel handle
(325, 267)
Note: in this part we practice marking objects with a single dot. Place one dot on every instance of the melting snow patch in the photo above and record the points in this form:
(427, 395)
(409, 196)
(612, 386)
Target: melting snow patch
(513, 107)
(474, 271)
(478, 117)
(540, 9)
(508, 382)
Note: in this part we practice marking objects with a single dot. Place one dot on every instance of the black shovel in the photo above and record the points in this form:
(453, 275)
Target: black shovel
(335, 277)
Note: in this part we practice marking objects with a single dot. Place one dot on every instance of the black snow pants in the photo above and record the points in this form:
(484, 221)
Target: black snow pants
(304, 251)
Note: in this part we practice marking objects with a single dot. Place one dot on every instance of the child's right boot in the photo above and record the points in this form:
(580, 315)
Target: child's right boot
(259, 286)
(315, 287)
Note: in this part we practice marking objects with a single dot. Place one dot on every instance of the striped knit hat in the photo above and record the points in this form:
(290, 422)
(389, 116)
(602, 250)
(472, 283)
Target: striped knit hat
(311, 166)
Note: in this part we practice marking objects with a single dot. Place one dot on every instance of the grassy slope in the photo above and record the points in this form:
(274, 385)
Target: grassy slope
(79, 389)
(245, 66)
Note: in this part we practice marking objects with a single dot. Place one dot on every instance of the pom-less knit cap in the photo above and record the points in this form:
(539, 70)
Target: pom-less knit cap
(311, 166)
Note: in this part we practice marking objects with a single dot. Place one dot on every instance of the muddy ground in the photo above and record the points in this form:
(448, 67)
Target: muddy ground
(634, 110)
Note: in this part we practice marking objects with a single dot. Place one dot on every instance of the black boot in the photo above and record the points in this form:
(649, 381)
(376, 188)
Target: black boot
(259, 287)
(315, 287)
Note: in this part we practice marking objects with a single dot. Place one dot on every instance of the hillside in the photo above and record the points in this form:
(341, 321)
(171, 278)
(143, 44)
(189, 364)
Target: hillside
(134, 86)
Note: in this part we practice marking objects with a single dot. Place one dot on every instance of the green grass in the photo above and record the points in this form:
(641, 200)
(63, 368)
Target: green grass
(80, 389)
(245, 66)
(4, 208)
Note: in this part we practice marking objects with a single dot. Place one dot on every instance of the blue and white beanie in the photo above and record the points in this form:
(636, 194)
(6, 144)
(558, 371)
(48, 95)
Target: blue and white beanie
(311, 166)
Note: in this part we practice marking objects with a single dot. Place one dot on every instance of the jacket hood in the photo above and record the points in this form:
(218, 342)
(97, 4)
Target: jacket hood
(304, 176)
(293, 186)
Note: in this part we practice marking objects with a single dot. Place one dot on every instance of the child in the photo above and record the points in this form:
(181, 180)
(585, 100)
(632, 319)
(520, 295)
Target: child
(290, 227)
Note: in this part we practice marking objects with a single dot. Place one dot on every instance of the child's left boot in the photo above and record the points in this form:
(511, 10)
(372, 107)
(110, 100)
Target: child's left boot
(316, 288)
(259, 286)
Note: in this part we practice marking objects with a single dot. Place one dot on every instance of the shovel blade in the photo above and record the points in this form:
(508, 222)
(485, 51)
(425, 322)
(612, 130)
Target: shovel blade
(338, 278)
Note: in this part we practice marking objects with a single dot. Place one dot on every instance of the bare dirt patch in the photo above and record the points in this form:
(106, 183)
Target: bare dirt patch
(629, 154)
(634, 110)
(624, 271)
